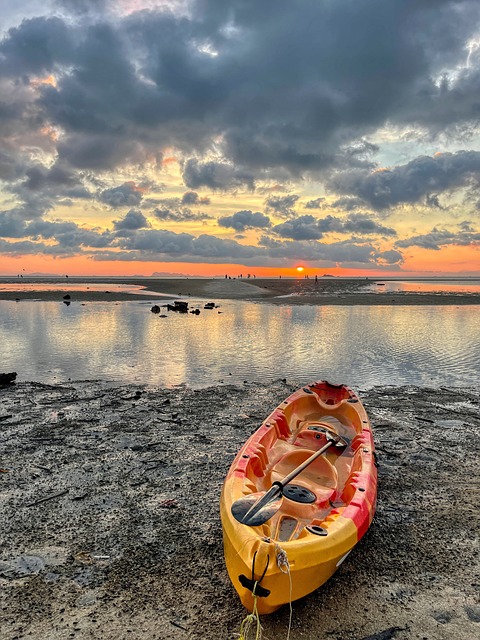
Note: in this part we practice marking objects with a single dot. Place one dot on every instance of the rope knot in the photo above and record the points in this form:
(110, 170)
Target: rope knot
(282, 559)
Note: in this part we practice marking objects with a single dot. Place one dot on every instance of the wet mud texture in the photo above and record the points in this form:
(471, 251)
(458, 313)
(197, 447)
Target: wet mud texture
(110, 522)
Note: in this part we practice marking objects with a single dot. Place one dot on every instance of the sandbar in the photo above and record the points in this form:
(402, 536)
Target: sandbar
(291, 291)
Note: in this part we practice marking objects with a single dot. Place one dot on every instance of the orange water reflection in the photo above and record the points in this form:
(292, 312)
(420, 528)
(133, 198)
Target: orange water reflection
(125, 342)
(77, 286)
(442, 286)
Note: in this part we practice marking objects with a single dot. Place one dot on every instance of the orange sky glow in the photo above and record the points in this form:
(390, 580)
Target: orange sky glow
(460, 260)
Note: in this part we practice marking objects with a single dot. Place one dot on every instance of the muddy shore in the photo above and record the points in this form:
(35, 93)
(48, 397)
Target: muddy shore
(334, 291)
(110, 525)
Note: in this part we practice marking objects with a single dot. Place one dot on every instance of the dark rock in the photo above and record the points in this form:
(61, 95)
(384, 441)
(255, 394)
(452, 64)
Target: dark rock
(7, 378)
(67, 297)
(179, 306)
(155, 309)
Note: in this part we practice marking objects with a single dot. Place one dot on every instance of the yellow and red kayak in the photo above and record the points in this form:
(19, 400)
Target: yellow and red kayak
(320, 514)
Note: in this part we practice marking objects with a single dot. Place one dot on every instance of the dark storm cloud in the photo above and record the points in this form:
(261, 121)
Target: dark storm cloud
(41, 188)
(411, 182)
(336, 252)
(347, 204)
(128, 243)
(33, 205)
(282, 205)
(133, 220)
(101, 151)
(47, 230)
(439, 238)
(315, 204)
(216, 175)
(192, 197)
(69, 237)
(22, 248)
(242, 220)
(38, 46)
(177, 213)
(68, 234)
(168, 246)
(126, 195)
(11, 225)
(40, 178)
(293, 86)
(389, 257)
(432, 200)
(302, 228)
(342, 73)
(11, 168)
(466, 225)
(182, 245)
(82, 7)
(362, 223)
(310, 228)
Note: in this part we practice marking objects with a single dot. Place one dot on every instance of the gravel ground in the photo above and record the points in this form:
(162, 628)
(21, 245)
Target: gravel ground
(110, 522)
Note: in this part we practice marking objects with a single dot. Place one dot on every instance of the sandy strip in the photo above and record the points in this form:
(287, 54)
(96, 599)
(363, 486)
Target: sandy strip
(276, 291)
(110, 524)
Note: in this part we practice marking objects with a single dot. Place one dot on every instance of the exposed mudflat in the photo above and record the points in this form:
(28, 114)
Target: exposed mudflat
(110, 524)
(291, 291)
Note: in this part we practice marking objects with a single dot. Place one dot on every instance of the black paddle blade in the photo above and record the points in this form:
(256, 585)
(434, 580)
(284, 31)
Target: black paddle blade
(342, 441)
(256, 508)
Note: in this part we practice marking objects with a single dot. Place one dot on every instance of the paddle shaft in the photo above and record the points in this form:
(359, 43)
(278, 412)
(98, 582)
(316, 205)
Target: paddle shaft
(293, 474)
(276, 489)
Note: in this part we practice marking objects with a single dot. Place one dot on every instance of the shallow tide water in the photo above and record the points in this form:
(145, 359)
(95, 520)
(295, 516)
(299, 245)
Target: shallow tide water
(124, 342)
(437, 286)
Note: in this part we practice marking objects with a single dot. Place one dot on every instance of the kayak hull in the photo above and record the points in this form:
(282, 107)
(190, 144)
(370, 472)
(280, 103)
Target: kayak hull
(302, 545)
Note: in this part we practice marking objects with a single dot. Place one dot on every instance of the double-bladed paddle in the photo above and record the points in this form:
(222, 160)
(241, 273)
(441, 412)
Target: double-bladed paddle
(256, 508)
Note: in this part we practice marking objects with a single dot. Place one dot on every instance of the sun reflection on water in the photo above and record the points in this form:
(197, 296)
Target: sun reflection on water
(125, 342)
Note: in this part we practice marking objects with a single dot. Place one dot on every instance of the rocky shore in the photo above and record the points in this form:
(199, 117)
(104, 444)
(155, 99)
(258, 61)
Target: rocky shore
(110, 526)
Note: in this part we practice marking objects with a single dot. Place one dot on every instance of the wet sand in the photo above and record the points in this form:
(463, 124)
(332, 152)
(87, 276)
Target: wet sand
(110, 523)
(335, 291)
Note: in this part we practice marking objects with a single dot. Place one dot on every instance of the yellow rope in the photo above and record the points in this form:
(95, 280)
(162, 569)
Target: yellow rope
(284, 566)
(253, 618)
(250, 620)
(290, 603)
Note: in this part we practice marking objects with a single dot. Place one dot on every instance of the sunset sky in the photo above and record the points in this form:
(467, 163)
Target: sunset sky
(216, 137)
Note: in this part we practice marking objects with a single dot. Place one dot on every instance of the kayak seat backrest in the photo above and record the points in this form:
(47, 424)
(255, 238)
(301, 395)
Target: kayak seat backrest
(280, 423)
(257, 462)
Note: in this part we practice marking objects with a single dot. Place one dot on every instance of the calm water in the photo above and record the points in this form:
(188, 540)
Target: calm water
(432, 286)
(124, 342)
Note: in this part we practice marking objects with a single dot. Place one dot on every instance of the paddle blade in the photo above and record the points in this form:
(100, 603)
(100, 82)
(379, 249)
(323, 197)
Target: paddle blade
(256, 508)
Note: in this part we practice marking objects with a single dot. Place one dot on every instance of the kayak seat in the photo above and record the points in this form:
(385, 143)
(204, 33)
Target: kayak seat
(321, 473)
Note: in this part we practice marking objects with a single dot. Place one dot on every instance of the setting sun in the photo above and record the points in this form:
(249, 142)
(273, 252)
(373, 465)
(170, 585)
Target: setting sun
(300, 269)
